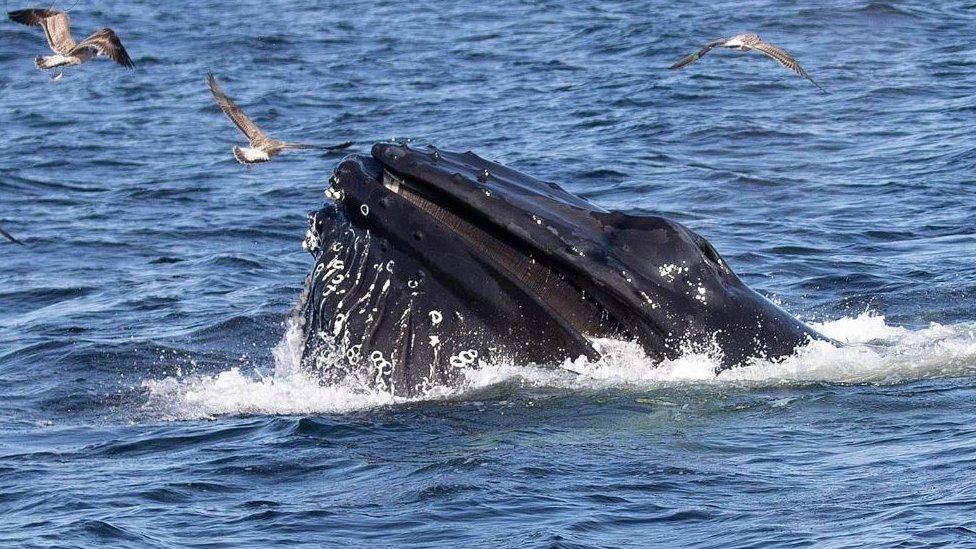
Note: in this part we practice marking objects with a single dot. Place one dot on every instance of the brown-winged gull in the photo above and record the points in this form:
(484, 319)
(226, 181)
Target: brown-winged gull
(261, 147)
(746, 42)
(67, 52)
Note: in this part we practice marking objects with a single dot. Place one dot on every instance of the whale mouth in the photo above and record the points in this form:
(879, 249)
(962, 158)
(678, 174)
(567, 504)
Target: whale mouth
(569, 298)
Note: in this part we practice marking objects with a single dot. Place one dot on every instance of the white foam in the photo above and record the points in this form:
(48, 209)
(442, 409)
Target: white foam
(289, 390)
(873, 352)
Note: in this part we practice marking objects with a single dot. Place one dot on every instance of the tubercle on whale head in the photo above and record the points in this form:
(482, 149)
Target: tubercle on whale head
(334, 191)
(336, 195)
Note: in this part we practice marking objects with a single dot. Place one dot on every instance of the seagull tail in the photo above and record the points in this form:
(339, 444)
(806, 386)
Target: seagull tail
(50, 61)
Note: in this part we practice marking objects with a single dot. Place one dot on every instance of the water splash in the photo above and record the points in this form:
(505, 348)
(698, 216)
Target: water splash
(288, 390)
(873, 352)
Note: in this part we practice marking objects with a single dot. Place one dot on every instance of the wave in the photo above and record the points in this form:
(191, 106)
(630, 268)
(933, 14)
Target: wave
(873, 352)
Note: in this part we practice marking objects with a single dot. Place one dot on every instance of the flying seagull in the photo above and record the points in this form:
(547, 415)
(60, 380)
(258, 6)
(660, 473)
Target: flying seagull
(746, 42)
(261, 147)
(10, 237)
(66, 52)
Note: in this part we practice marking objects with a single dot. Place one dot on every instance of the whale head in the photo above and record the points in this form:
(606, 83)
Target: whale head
(428, 261)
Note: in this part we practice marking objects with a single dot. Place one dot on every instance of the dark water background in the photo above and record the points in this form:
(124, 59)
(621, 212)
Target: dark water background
(140, 399)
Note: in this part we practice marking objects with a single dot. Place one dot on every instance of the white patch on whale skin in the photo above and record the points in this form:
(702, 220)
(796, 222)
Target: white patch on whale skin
(333, 276)
(311, 241)
(648, 300)
(435, 317)
(354, 354)
(340, 321)
(700, 294)
(382, 370)
(333, 266)
(671, 271)
(334, 193)
(464, 359)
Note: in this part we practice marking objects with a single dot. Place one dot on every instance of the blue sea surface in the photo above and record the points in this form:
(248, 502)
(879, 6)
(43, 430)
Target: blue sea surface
(149, 394)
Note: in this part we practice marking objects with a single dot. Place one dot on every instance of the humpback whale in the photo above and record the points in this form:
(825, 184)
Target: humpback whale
(429, 261)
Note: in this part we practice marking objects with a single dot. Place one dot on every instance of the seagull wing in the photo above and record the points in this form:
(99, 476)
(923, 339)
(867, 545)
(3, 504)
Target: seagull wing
(10, 237)
(57, 26)
(106, 42)
(236, 115)
(698, 54)
(784, 58)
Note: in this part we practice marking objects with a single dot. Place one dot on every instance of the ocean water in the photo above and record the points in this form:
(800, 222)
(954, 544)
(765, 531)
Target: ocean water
(149, 389)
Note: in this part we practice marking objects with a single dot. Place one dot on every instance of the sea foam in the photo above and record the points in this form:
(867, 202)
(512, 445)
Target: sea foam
(873, 352)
